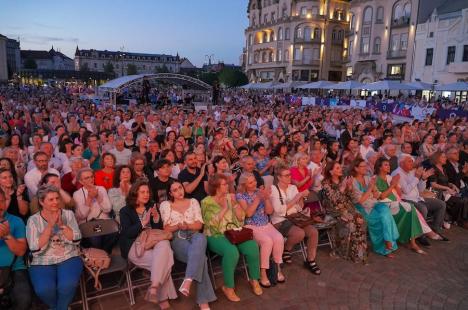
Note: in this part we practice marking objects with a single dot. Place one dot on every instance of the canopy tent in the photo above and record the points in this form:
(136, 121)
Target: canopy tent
(348, 85)
(458, 86)
(421, 85)
(292, 84)
(316, 85)
(388, 85)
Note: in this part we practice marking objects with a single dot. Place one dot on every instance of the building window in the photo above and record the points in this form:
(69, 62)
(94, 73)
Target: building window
(404, 41)
(314, 11)
(316, 54)
(431, 34)
(407, 10)
(286, 55)
(250, 39)
(265, 37)
(95, 65)
(307, 33)
(284, 11)
(272, 17)
(450, 54)
(280, 55)
(264, 57)
(429, 55)
(316, 33)
(349, 71)
(380, 15)
(270, 56)
(396, 71)
(253, 21)
(367, 15)
(298, 34)
(365, 45)
(297, 54)
(394, 42)
(286, 34)
(398, 12)
(465, 53)
(350, 49)
(303, 11)
(377, 44)
(353, 22)
(280, 33)
(250, 59)
(265, 18)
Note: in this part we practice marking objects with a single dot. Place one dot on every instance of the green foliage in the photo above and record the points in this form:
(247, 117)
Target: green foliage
(162, 69)
(232, 77)
(131, 69)
(30, 63)
(208, 77)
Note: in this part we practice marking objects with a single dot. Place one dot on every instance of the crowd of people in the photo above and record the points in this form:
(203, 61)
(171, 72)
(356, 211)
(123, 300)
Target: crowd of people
(197, 175)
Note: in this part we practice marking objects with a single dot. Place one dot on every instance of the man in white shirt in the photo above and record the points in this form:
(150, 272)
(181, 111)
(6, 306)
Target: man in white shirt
(412, 182)
(122, 154)
(54, 161)
(315, 168)
(34, 176)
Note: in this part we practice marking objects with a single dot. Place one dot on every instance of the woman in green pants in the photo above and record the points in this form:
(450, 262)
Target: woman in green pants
(220, 211)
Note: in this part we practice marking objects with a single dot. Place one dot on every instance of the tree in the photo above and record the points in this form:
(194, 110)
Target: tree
(232, 77)
(84, 67)
(208, 77)
(30, 63)
(109, 68)
(162, 69)
(131, 69)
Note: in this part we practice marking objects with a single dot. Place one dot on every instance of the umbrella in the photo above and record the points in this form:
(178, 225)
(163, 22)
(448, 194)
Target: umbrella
(316, 85)
(346, 85)
(458, 86)
(421, 85)
(292, 84)
(388, 85)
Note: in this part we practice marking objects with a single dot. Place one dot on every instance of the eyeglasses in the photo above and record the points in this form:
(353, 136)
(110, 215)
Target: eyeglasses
(87, 177)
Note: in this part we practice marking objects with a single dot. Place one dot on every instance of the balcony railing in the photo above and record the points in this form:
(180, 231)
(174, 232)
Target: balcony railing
(313, 62)
(396, 54)
(401, 22)
(307, 40)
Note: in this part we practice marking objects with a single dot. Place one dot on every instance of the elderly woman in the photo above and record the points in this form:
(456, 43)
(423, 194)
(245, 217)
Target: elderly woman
(220, 211)
(138, 164)
(351, 236)
(257, 207)
(53, 238)
(16, 196)
(124, 177)
(405, 214)
(134, 217)
(287, 200)
(182, 217)
(92, 203)
(141, 144)
(381, 226)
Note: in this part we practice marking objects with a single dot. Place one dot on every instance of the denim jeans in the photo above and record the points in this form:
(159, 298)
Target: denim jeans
(191, 249)
(56, 284)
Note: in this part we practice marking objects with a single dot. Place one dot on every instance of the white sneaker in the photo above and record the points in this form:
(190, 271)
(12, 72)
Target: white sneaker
(446, 225)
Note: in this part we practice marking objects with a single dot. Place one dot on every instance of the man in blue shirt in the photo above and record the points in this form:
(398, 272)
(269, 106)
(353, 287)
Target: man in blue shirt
(13, 246)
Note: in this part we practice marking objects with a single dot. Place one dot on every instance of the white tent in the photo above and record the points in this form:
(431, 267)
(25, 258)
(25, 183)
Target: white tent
(421, 85)
(257, 86)
(292, 84)
(316, 85)
(348, 85)
(458, 86)
(388, 85)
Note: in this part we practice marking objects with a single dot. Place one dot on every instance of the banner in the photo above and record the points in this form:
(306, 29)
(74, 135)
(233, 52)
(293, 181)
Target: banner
(445, 113)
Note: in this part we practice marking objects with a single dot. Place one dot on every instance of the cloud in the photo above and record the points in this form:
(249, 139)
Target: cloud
(39, 39)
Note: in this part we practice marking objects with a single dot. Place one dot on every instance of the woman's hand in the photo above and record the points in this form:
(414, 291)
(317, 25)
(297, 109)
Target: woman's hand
(20, 190)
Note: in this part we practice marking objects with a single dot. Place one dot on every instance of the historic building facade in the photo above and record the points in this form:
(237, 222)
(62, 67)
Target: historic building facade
(442, 44)
(292, 40)
(96, 60)
(3, 59)
(381, 39)
(46, 60)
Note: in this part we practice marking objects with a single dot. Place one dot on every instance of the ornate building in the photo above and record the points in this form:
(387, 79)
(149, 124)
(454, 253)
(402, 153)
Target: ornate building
(291, 40)
(381, 38)
(442, 44)
(3, 59)
(47, 60)
(95, 60)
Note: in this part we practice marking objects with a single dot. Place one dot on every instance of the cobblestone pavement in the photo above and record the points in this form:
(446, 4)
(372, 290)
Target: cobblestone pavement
(410, 281)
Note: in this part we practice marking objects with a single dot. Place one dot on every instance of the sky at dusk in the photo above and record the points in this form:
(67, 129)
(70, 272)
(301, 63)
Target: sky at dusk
(193, 28)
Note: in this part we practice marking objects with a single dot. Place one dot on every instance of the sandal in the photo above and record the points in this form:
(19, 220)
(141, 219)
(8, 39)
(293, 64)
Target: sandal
(183, 290)
(265, 285)
(313, 267)
(152, 295)
(287, 257)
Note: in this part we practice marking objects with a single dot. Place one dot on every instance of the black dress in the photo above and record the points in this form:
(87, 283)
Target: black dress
(457, 207)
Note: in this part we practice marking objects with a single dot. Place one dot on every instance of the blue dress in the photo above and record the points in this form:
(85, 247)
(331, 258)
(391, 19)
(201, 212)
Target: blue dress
(380, 222)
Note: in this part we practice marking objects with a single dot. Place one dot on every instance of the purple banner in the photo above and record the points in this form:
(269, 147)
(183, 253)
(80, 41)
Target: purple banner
(444, 113)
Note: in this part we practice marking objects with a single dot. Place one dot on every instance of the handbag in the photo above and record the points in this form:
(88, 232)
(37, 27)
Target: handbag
(299, 219)
(238, 235)
(148, 238)
(94, 261)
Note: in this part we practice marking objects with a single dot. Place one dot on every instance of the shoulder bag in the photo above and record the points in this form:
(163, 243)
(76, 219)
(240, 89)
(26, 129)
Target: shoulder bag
(148, 238)
(299, 219)
(94, 261)
(237, 235)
